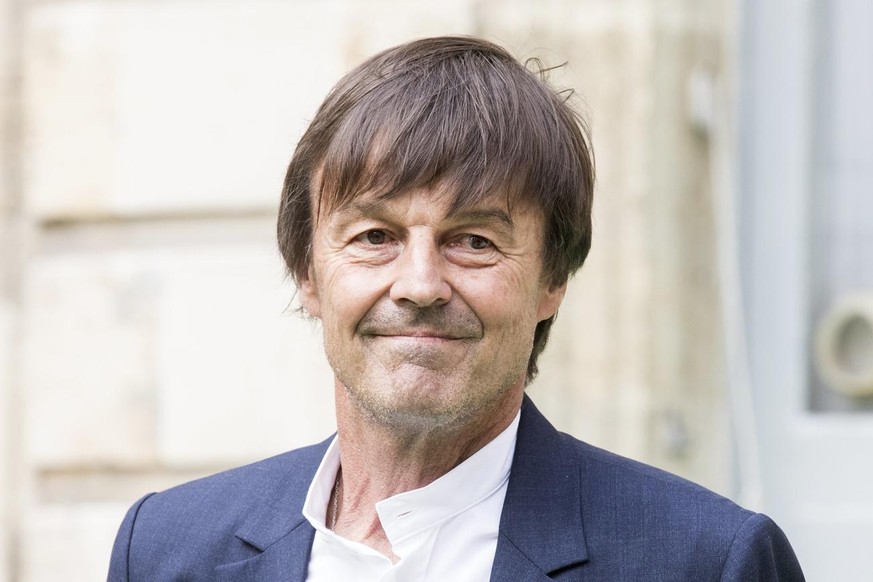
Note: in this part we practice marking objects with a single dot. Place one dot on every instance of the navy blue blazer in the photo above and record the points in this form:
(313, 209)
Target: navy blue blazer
(572, 512)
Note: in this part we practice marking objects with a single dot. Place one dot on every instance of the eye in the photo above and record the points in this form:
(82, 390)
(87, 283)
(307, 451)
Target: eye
(375, 237)
(472, 250)
(478, 243)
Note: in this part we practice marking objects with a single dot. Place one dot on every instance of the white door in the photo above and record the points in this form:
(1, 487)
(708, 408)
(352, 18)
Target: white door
(805, 146)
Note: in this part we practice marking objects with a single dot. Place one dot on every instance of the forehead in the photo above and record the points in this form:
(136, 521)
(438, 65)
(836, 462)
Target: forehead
(498, 208)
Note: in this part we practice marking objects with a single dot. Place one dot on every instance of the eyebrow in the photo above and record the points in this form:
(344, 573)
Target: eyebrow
(484, 215)
(377, 209)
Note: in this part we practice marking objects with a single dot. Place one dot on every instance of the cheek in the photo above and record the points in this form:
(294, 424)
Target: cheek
(508, 302)
(347, 295)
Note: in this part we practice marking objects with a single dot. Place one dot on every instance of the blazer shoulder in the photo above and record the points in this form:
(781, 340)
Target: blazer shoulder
(237, 486)
(760, 551)
(636, 482)
(192, 526)
(644, 510)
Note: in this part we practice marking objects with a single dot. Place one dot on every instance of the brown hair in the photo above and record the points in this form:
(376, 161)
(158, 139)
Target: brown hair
(458, 112)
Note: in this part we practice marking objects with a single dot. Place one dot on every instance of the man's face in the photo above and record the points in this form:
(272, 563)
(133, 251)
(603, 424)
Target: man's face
(428, 317)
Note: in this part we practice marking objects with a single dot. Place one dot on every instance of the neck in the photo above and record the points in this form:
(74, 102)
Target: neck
(380, 461)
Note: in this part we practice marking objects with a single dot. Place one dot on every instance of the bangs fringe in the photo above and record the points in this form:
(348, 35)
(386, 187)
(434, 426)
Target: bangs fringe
(473, 136)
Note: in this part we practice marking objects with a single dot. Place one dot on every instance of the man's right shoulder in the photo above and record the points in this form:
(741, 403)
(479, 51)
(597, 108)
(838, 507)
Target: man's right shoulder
(246, 484)
(194, 526)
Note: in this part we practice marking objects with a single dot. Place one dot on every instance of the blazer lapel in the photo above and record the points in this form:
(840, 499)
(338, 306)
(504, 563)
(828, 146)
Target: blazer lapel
(286, 560)
(540, 526)
(277, 530)
(541, 523)
(510, 563)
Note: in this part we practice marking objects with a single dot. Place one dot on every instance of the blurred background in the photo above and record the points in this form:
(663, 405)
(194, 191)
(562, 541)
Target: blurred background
(722, 327)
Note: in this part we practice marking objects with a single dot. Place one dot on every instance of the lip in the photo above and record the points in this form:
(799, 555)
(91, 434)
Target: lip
(420, 337)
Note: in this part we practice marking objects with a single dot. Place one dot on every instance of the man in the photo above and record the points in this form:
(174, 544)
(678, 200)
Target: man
(431, 217)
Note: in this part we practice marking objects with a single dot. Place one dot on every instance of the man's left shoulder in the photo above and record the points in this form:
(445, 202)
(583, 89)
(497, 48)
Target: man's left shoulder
(633, 483)
(646, 509)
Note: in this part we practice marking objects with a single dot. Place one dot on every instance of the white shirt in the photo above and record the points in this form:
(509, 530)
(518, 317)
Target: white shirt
(446, 530)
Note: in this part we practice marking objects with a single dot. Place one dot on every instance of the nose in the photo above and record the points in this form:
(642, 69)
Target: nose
(419, 276)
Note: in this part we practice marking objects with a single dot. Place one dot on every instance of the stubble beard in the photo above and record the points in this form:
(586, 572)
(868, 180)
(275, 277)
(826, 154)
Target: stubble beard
(435, 402)
(412, 392)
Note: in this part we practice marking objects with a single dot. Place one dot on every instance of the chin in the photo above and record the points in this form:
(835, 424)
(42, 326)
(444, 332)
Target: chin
(415, 402)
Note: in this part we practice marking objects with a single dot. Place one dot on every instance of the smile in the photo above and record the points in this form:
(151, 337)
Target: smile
(421, 338)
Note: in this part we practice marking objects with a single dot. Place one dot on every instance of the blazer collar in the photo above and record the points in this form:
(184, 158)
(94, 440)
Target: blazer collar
(541, 523)
(540, 526)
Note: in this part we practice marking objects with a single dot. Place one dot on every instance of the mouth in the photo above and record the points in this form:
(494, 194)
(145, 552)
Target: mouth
(421, 336)
(421, 327)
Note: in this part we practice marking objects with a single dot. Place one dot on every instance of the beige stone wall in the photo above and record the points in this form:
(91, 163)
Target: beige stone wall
(149, 322)
(9, 456)
(636, 360)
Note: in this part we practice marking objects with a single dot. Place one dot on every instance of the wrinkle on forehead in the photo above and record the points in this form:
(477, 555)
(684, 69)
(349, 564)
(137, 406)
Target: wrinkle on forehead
(498, 204)
(445, 157)
(488, 211)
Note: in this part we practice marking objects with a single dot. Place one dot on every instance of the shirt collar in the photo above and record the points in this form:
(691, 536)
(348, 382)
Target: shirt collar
(474, 480)
(318, 496)
(405, 514)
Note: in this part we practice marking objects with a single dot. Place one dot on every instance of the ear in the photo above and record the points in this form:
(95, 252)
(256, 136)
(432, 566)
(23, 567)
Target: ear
(309, 297)
(550, 300)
